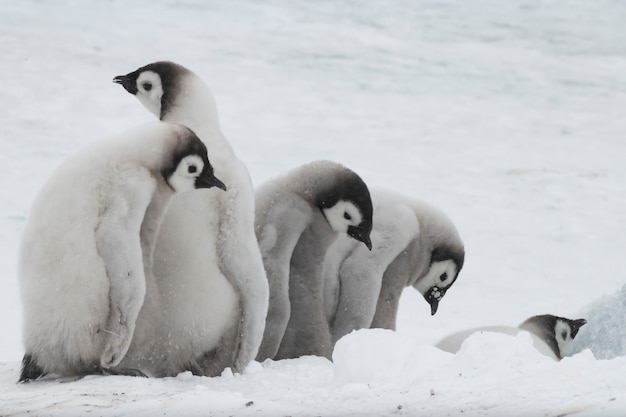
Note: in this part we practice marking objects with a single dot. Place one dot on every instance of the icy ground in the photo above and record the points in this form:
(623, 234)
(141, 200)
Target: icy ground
(603, 335)
(507, 115)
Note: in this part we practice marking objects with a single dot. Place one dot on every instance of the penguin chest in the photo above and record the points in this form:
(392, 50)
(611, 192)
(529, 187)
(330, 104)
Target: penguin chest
(199, 303)
(543, 347)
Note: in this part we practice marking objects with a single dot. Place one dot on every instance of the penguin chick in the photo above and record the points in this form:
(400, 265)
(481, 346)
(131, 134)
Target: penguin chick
(556, 332)
(414, 244)
(85, 256)
(298, 216)
(208, 266)
(552, 335)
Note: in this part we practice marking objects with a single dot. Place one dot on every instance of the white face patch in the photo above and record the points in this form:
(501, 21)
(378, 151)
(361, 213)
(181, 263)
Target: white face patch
(342, 215)
(563, 335)
(184, 178)
(150, 91)
(441, 274)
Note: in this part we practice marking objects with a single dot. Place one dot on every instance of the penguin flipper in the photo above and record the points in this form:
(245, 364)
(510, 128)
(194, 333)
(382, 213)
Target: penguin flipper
(361, 273)
(394, 281)
(360, 278)
(278, 240)
(119, 245)
(242, 265)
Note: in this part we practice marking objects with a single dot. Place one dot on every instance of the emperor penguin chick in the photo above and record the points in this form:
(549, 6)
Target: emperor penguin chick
(414, 244)
(86, 251)
(207, 264)
(552, 335)
(556, 332)
(298, 216)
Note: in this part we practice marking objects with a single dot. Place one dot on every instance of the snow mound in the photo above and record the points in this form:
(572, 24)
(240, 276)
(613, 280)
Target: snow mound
(379, 356)
(605, 331)
(384, 357)
(493, 353)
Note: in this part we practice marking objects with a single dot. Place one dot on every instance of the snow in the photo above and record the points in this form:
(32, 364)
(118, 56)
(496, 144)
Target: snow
(506, 115)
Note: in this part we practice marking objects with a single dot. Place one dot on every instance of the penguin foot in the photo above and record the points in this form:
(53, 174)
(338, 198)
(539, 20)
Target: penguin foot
(98, 370)
(30, 370)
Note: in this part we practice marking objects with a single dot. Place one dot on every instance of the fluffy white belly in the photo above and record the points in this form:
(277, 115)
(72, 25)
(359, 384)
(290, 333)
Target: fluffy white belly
(199, 303)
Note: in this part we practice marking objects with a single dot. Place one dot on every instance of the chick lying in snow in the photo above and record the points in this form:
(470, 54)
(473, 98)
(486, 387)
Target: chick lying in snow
(552, 335)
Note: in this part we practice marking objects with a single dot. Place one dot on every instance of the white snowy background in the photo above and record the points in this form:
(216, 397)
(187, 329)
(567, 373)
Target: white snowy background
(510, 116)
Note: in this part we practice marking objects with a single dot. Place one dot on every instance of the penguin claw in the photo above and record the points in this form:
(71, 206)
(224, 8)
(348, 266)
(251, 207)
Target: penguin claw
(132, 372)
(98, 370)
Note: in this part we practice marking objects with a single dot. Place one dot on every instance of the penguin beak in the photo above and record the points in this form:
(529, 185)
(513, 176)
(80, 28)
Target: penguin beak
(209, 181)
(361, 235)
(575, 325)
(433, 296)
(126, 82)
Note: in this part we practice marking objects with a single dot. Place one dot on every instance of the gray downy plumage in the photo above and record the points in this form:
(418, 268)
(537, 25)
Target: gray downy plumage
(557, 332)
(298, 216)
(413, 244)
(552, 335)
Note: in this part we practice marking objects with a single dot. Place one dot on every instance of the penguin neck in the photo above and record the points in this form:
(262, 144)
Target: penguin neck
(416, 260)
(307, 264)
(319, 235)
(438, 228)
(195, 108)
(545, 336)
(152, 223)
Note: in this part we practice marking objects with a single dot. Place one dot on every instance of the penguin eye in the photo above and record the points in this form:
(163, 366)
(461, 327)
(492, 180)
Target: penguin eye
(564, 335)
(347, 216)
(147, 86)
(192, 169)
(443, 277)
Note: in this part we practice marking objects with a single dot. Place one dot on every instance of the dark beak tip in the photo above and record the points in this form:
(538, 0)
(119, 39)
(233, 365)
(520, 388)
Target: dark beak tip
(433, 309)
(360, 235)
(577, 325)
(210, 183)
(215, 182)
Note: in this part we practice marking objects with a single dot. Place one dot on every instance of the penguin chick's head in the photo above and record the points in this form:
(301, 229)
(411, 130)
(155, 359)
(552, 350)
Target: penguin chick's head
(347, 207)
(155, 85)
(557, 332)
(444, 268)
(189, 167)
